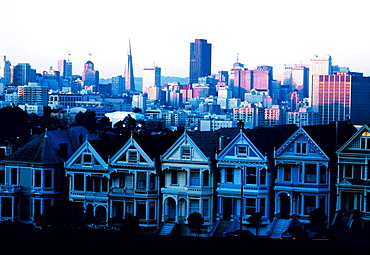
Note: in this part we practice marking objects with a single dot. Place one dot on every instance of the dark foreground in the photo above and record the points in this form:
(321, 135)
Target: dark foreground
(112, 240)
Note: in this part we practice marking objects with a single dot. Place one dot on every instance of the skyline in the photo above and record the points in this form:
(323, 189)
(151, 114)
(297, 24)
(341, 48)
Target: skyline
(275, 33)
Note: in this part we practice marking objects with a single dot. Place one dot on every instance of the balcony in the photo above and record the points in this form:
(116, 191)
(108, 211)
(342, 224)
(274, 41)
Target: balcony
(10, 189)
(89, 195)
(123, 192)
(301, 187)
(42, 191)
(187, 190)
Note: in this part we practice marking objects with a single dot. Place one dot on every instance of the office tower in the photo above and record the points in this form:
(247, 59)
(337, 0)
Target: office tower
(33, 94)
(343, 96)
(300, 80)
(5, 71)
(262, 77)
(65, 68)
(151, 78)
(200, 60)
(129, 71)
(319, 65)
(89, 75)
(118, 85)
(23, 74)
(242, 82)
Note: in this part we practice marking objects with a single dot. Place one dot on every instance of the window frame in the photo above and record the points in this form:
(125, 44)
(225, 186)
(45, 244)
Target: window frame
(185, 152)
(301, 148)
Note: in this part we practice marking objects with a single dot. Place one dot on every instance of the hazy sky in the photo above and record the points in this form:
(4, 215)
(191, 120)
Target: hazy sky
(268, 32)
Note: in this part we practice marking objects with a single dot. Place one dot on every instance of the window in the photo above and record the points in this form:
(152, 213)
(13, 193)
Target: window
(141, 210)
(301, 148)
(152, 179)
(263, 206)
(250, 206)
(310, 173)
(206, 178)
(347, 171)
(287, 173)
(132, 156)
(205, 208)
(185, 152)
(263, 173)
(251, 175)
(2, 177)
(87, 159)
(242, 150)
(13, 176)
(37, 178)
(48, 176)
(229, 175)
(151, 210)
(194, 177)
(364, 141)
(322, 174)
(174, 178)
(6, 206)
(194, 206)
(141, 180)
(122, 180)
(309, 204)
(78, 181)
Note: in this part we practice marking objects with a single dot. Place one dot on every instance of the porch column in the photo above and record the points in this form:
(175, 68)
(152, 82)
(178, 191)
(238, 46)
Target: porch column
(355, 198)
(339, 198)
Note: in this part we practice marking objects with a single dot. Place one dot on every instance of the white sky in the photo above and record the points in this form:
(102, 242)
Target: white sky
(268, 32)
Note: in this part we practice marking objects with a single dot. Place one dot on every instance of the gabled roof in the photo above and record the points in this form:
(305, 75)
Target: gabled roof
(266, 139)
(330, 137)
(208, 141)
(46, 148)
(365, 127)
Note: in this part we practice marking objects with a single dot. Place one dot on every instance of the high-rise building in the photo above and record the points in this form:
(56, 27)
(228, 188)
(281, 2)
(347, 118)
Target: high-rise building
(23, 74)
(319, 65)
(65, 68)
(151, 78)
(200, 60)
(300, 80)
(90, 76)
(343, 96)
(5, 71)
(129, 71)
(118, 85)
(33, 94)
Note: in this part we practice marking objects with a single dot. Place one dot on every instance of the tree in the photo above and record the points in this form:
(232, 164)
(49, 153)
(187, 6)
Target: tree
(318, 218)
(195, 221)
(255, 221)
(87, 119)
(130, 225)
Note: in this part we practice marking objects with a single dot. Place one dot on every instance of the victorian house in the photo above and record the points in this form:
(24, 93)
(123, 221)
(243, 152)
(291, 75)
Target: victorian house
(136, 178)
(117, 177)
(32, 179)
(306, 169)
(352, 208)
(246, 179)
(190, 174)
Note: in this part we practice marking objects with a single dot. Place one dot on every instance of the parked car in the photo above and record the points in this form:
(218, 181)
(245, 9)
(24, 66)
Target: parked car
(241, 233)
(287, 236)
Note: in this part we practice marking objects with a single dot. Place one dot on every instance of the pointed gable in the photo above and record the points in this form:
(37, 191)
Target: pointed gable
(240, 148)
(86, 157)
(301, 144)
(131, 153)
(359, 142)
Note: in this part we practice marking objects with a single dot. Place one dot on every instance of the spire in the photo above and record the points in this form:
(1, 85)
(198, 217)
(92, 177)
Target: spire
(129, 72)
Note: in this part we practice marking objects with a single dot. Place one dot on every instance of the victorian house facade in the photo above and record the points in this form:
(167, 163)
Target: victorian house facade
(352, 208)
(117, 177)
(306, 170)
(32, 179)
(246, 177)
(190, 175)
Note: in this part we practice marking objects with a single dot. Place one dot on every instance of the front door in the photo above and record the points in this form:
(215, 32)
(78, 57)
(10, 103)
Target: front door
(284, 206)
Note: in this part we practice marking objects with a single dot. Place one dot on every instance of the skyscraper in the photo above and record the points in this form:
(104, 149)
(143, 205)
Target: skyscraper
(65, 68)
(5, 71)
(90, 76)
(129, 71)
(151, 78)
(319, 65)
(23, 74)
(343, 96)
(118, 85)
(200, 60)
